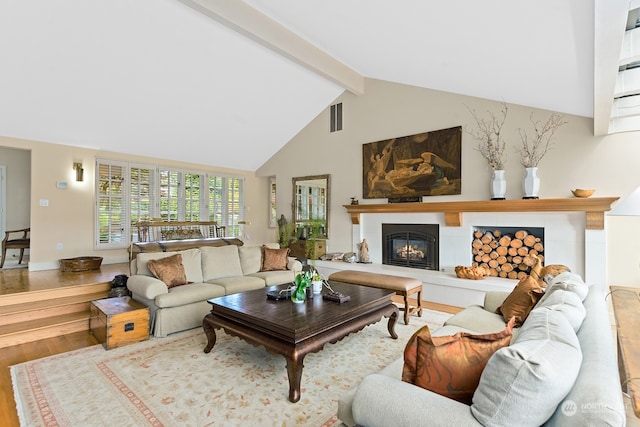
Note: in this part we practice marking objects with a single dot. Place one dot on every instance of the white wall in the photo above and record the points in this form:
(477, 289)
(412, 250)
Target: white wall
(387, 110)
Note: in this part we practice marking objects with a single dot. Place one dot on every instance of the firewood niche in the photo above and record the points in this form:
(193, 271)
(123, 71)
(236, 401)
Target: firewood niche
(594, 208)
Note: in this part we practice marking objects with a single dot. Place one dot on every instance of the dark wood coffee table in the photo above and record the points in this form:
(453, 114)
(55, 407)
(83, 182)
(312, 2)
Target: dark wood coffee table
(294, 330)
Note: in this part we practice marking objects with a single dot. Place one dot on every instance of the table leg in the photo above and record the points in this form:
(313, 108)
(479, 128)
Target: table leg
(391, 324)
(294, 372)
(210, 331)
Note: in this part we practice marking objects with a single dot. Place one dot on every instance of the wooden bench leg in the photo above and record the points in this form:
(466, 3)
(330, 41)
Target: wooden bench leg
(407, 308)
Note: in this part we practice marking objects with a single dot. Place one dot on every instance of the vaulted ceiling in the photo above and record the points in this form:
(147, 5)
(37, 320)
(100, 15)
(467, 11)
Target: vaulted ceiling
(228, 83)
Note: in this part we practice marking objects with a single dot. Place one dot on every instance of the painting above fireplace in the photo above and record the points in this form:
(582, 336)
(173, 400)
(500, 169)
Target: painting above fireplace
(424, 164)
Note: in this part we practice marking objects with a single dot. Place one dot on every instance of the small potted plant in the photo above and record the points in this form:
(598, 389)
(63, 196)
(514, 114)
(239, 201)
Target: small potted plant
(300, 285)
(316, 282)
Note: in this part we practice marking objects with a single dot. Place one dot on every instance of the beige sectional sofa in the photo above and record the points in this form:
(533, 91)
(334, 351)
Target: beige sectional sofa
(210, 272)
(559, 370)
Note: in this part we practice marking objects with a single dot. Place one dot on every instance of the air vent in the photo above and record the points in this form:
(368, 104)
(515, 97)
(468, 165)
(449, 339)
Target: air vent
(336, 117)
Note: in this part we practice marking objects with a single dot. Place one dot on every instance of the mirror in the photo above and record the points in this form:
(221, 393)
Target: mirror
(311, 206)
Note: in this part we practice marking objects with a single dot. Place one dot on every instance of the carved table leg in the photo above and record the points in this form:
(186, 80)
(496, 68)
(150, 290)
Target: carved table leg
(210, 331)
(294, 372)
(393, 317)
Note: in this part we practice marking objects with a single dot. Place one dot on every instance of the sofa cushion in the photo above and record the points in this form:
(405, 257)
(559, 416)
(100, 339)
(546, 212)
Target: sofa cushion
(569, 282)
(250, 259)
(521, 300)
(237, 284)
(477, 319)
(274, 259)
(170, 270)
(220, 261)
(192, 262)
(540, 366)
(567, 303)
(143, 261)
(188, 294)
(272, 278)
(450, 365)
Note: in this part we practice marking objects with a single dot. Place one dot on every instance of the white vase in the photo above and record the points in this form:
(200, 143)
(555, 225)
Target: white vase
(498, 185)
(317, 286)
(531, 183)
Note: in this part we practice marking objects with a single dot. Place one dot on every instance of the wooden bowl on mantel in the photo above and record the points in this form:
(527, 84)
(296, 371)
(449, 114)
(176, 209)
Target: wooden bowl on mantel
(582, 193)
(83, 263)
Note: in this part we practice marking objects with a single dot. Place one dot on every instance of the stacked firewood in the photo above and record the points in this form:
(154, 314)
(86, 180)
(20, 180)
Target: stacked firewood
(506, 255)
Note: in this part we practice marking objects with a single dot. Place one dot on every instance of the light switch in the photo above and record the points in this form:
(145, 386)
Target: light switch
(44, 202)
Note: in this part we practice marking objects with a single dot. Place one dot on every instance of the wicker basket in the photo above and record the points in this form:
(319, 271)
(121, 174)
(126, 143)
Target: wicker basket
(83, 263)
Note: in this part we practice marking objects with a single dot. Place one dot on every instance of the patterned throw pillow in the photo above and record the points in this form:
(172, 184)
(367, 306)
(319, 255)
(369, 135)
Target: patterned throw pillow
(274, 259)
(451, 365)
(170, 270)
(521, 300)
(181, 234)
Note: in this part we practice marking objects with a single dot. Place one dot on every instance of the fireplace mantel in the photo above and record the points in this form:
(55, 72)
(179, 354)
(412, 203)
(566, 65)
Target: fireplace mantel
(594, 208)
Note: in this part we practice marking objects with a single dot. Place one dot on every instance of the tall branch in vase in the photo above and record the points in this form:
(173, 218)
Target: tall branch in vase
(489, 136)
(536, 146)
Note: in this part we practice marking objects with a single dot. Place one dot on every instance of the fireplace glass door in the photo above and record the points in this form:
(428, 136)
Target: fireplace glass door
(411, 245)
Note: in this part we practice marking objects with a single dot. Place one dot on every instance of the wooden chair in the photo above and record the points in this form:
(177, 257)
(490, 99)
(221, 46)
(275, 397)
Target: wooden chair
(21, 243)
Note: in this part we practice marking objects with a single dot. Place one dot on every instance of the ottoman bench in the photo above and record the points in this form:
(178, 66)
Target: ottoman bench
(404, 286)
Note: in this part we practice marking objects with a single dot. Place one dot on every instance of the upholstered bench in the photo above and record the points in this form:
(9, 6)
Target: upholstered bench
(404, 286)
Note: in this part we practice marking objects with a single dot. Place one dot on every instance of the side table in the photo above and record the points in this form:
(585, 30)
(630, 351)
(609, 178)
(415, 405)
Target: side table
(116, 322)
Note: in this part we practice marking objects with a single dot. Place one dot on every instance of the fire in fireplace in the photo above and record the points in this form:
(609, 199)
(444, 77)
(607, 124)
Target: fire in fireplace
(411, 245)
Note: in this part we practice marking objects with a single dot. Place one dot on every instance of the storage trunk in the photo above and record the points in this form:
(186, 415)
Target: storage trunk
(119, 321)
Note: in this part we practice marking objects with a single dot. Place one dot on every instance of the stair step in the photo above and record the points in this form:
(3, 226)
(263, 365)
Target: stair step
(38, 329)
(49, 303)
(53, 293)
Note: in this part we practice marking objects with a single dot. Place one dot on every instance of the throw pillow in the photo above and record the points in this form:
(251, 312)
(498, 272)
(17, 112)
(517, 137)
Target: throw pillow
(451, 365)
(274, 259)
(170, 270)
(521, 300)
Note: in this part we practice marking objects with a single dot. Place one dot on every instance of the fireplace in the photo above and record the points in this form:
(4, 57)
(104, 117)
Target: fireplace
(411, 245)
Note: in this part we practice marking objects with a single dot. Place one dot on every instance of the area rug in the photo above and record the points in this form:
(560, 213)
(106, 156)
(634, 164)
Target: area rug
(172, 382)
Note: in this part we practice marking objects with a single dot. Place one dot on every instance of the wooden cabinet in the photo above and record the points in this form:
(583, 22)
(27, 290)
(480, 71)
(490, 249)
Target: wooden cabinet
(305, 248)
(119, 321)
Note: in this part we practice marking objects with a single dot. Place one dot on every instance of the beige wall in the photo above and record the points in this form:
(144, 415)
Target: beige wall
(387, 110)
(69, 218)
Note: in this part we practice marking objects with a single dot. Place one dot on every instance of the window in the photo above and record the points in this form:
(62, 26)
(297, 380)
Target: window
(129, 193)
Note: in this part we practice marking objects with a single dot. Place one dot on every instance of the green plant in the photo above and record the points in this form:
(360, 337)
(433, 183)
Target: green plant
(286, 232)
(315, 230)
(301, 282)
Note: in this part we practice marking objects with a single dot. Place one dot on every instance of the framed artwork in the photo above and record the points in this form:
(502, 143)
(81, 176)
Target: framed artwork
(424, 164)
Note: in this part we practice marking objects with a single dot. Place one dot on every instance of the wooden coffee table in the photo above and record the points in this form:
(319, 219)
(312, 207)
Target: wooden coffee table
(294, 330)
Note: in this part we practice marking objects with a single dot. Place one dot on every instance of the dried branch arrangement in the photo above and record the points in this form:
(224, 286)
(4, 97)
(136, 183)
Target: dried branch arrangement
(535, 147)
(489, 137)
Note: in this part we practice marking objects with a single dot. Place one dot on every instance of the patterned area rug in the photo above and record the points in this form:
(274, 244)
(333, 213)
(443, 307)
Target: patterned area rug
(171, 382)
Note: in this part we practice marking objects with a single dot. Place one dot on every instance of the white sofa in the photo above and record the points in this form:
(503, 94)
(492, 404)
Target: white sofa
(211, 272)
(559, 370)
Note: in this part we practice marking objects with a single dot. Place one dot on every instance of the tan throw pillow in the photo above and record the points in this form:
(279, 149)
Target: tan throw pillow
(274, 259)
(521, 300)
(451, 365)
(170, 270)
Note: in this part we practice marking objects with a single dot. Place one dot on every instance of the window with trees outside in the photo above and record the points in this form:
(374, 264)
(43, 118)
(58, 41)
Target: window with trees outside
(127, 193)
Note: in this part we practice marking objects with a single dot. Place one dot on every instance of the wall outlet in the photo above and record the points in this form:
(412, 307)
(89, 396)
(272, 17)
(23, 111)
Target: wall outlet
(59, 246)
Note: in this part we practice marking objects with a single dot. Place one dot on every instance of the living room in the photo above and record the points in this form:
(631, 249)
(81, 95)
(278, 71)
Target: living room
(385, 109)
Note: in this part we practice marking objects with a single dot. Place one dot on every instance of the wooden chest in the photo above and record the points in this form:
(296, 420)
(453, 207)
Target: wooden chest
(119, 321)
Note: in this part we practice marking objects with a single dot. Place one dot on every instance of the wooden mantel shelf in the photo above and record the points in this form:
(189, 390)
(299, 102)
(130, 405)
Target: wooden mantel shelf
(594, 208)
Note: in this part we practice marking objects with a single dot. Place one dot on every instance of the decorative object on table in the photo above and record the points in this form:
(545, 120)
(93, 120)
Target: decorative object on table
(335, 296)
(582, 193)
(491, 147)
(534, 149)
(316, 283)
(349, 257)
(474, 272)
(363, 249)
(424, 164)
(83, 263)
(300, 285)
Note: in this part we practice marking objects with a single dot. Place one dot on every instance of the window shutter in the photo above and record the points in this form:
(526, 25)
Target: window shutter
(111, 200)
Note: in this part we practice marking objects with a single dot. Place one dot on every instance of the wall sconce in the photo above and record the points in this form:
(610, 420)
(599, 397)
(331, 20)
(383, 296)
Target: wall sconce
(79, 171)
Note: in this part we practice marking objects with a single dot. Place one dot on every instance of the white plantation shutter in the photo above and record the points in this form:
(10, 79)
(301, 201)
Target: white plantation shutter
(142, 196)
(111, 200)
